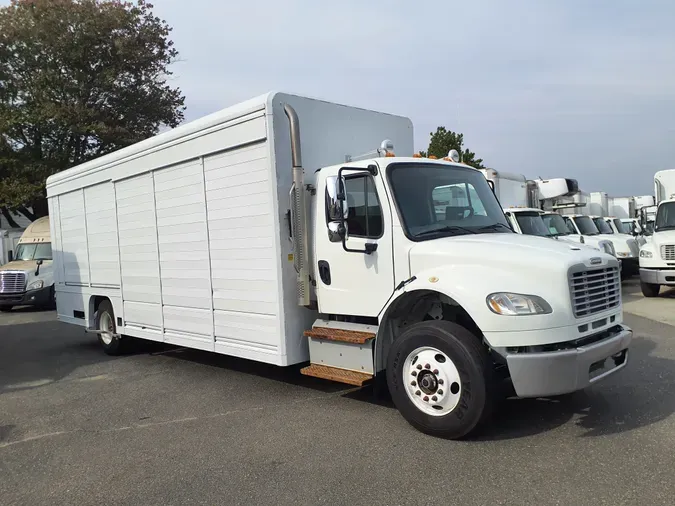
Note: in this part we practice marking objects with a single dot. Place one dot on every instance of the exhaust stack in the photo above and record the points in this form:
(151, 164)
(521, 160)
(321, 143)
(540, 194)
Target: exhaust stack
(298, 211)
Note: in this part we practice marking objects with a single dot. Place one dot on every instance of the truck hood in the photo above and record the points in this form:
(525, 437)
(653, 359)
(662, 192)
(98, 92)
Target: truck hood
(623, 243)
(526, 252)
(659, 239)
(19, 265)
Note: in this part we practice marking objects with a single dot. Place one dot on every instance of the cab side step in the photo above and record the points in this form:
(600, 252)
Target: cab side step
(341, 351)
(336, 374)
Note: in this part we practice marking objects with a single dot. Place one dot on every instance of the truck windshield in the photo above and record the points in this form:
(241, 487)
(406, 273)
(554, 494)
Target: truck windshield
(39, 251)
(665, 217)
(623, 228)
(586, 225)
(438, 200)
(555, 224)
(532, 224)
(603, 226)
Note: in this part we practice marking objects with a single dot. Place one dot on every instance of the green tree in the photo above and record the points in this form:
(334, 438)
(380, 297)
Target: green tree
(443, 140)
(78, 79)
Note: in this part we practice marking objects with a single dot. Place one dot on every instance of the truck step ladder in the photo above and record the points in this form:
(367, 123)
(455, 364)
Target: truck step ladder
(341, 352)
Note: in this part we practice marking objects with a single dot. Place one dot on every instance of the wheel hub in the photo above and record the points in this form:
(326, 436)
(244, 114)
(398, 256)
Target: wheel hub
(428, 382)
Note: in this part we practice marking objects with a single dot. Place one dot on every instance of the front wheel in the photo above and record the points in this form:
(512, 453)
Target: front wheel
(650, 289)
(441, 379)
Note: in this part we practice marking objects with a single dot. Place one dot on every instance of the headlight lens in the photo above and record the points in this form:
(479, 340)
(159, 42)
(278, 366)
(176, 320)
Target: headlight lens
(516, 304)
(35, 285)
(622, 254)
(645, 254)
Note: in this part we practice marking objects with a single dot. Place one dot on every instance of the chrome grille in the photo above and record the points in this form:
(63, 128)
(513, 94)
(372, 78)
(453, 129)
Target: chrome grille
(668, 252)
(594, 291)
(12, 282)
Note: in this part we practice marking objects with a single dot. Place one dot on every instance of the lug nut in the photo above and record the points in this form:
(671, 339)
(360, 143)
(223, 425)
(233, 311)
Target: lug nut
(434, 398)
(435, 371)
(417, 393)
(440, 392)
(414, 383)
(419, 366)
(427, 366)
(414, 373)
(440, 381)
(426, 398)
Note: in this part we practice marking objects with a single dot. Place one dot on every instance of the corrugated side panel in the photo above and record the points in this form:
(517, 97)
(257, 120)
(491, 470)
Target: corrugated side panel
(184, 251)
(242, 238)
(138, 252)
(99, 202)
(73, 239)
(57, 246)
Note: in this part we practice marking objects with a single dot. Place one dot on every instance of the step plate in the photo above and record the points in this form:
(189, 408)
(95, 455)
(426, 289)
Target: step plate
(344, 336)
(339, 375)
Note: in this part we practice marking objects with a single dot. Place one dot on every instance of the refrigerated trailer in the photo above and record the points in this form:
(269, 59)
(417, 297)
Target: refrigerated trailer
(289, 230)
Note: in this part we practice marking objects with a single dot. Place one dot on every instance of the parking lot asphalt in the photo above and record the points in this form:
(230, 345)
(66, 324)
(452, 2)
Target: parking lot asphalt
(174, 426)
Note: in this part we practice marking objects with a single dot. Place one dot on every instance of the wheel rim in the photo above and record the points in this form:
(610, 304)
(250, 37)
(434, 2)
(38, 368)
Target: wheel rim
(432, 381)
(107, 328)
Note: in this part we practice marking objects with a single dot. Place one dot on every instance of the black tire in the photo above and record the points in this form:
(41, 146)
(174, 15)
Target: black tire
(650, 289)
(469, 356)
(117, 344)
(5, 309)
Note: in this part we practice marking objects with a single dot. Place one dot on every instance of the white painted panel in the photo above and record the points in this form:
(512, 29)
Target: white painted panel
(241, 239)
(138, 252)
(183, 250)
(73, 238)
(101, 236)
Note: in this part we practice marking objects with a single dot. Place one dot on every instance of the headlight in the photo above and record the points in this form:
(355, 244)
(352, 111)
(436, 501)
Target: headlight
(35, 285)
(645, 254)
(622, 254)
(515, 304)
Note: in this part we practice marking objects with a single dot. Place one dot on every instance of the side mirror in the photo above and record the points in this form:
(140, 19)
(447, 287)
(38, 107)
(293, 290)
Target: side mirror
(336, 201)
(337, 232)
(37, 269)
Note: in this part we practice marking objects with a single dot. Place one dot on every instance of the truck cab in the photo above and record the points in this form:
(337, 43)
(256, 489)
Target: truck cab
(28, 280)
(626, 249)
(565, 231)
(532, 221)
(657, 256)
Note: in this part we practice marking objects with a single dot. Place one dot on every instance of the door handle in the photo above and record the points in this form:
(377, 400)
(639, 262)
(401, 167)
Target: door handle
(324, 272)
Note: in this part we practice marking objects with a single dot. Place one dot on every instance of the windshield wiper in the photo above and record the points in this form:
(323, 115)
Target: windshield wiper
(496, 225)
(448, 228)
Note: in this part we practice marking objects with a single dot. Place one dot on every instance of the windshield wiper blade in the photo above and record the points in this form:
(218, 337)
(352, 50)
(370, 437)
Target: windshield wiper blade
(496, 225)
(448, 228)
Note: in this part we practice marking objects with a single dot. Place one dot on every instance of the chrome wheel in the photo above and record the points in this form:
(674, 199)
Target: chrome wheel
(107, 327)
(432, 381)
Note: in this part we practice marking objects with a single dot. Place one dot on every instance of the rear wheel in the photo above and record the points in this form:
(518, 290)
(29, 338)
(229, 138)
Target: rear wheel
(113, 343)
(441, 379)
(649, 289)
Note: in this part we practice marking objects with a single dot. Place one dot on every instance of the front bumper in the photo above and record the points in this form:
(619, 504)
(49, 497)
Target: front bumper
(547, 373)
(37, 297)
(657, 276)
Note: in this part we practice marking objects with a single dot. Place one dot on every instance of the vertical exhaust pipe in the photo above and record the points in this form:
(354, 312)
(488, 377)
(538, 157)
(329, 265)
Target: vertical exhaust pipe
(298, 211)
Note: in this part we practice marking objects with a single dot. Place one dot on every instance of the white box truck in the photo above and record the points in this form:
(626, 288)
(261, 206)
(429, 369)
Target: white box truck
(657, 255)
(247, 233)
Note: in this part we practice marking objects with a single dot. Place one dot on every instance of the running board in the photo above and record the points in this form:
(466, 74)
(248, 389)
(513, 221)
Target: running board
(336, 374)
(340, 335)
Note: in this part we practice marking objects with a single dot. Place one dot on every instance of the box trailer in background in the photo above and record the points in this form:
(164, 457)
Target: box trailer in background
(247, 233)
(621, 207)
(643, 201)
(598, 204)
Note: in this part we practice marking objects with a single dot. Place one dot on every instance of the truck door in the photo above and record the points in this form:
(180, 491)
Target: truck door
(354, 282)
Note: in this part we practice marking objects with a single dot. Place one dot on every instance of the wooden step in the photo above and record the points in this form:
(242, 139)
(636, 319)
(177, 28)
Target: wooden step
(339, 375)
(344, 336)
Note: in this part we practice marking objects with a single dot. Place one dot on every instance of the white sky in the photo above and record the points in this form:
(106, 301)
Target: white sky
(558, 88)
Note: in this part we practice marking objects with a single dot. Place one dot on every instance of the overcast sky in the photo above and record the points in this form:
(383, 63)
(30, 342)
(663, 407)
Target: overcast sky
(568, 88)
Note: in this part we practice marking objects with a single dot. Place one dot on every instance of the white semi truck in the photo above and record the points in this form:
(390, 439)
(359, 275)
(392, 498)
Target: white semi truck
(28, 279)
(247, 233)
(657, 255)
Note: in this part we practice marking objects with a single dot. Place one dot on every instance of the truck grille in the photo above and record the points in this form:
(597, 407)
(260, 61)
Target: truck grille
(668, 252)
(12, 282)
(594, 291)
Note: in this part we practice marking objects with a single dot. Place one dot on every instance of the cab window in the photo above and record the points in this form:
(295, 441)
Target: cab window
(365, 213)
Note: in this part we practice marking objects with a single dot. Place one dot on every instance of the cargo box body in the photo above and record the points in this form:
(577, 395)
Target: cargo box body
(187, 233)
